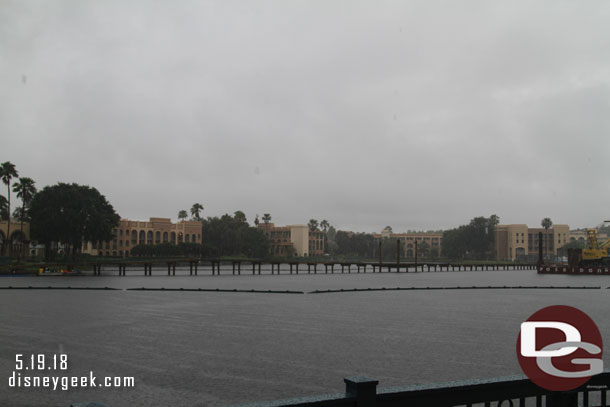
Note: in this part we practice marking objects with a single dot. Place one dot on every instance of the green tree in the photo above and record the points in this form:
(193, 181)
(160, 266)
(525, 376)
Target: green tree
(3, 208)
(290, 251)
(423, 249)
(266, 218)
(195, 209)
(388, 249)
(20, 215)
(240, 217)
(472, 241)
(546, 223)
(330, 237)
(182, 215)
(7, 173)
(325, 225)
(232, 236)
(313, 225)
(454, 245)
(25, 190)
(494, 221)
(71, 214)
(331, 234)
(355, 245)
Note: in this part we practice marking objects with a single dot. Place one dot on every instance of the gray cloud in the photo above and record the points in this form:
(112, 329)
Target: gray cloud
(420, 114)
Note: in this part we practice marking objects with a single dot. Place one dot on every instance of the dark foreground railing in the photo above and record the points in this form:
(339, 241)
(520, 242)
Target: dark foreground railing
(506, 391)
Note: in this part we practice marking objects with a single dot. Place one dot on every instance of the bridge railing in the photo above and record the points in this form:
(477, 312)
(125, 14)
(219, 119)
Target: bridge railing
(508, 391)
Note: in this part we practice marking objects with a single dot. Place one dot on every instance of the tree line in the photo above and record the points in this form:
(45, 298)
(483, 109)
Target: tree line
(71, 214)
(476, 240)
(367, 246)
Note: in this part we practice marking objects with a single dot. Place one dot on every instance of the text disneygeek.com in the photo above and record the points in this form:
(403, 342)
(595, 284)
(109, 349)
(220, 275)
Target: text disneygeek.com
(43, 363)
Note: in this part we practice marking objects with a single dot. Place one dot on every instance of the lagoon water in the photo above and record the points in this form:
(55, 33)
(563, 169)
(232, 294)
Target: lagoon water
(222, 348)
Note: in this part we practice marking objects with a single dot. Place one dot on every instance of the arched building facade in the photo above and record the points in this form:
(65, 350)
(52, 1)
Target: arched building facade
(131, 233)
(19, 240)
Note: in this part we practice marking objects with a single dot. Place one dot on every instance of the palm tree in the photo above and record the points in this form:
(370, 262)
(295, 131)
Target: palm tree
(182, 215)
(313, 225)
(266, 218)
(3, 208)
(195, 209)
(25, 190)
(546, 224)
(324, 225)
(8, 172)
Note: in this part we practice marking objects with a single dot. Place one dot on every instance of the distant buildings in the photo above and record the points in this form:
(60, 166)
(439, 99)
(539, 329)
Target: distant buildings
(293, 240)
(17, 237)
(131, 233)
(514, 242)
(580, 235)
(428, 243)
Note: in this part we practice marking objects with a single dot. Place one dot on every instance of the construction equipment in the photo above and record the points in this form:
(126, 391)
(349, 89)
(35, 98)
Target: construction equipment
(594, 253)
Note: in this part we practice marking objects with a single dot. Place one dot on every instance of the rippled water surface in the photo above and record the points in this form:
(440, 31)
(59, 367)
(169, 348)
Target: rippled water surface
(202, 348)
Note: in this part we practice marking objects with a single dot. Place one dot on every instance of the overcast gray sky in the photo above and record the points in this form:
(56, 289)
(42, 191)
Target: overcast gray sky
(414, 114)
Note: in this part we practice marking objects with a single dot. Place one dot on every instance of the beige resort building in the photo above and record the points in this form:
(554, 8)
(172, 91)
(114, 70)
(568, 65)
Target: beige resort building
(432, 239)
(293, 240)
(131, 233)
(520, 241)
(580, 235)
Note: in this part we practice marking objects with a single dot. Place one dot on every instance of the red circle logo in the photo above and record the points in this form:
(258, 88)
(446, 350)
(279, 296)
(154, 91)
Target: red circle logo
(559, 348)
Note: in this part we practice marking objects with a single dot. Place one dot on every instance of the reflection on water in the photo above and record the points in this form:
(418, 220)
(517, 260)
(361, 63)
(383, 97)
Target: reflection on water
(219, 348)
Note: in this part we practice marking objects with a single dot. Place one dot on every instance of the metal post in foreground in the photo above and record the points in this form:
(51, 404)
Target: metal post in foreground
(363, 389)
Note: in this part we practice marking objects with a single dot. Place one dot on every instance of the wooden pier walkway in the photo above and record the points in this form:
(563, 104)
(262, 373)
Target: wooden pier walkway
(254, 266)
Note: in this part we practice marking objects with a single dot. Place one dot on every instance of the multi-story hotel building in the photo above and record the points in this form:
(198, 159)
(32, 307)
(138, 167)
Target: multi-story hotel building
(433, 241)
(521, 242)
(293, 240)
(131, 233)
